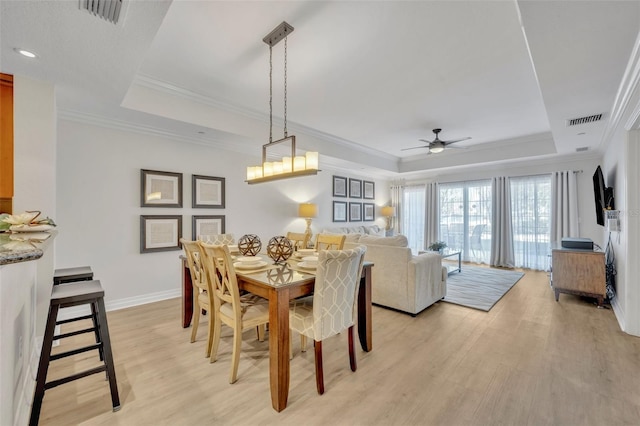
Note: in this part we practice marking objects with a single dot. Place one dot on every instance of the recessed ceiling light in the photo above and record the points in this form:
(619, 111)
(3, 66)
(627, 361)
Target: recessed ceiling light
(581, 134)
(26, 53)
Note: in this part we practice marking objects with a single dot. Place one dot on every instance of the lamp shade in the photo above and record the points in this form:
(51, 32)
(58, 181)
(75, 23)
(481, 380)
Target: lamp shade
(307, 210)
(388, 211)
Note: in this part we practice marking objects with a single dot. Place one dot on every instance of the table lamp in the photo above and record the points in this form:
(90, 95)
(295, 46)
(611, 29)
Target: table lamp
(308, 211)
(388, 212)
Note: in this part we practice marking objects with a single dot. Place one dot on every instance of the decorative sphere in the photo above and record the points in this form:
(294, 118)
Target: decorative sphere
(279, 248)
(249, 245)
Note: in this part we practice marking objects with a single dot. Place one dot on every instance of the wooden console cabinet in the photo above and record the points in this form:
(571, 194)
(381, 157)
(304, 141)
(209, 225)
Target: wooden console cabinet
(579, 272)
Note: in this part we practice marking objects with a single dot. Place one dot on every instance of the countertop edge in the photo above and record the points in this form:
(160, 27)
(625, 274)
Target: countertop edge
(35, 252)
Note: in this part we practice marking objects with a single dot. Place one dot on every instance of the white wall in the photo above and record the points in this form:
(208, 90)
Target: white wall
(99, 204)
(25, 301)
(35, 146)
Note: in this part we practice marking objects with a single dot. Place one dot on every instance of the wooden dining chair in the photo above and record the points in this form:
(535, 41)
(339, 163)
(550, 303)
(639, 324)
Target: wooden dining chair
(299, 240)
(330, 241)
(332, 307)
(238, 312)
(202, 290)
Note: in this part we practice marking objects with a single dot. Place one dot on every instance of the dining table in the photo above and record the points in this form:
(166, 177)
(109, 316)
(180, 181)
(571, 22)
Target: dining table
(280, 283)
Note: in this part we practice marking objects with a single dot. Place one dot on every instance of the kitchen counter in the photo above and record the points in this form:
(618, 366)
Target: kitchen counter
(26, 278)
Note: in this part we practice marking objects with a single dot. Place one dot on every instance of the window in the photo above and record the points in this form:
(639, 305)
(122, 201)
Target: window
(531, 219)
(465, 218)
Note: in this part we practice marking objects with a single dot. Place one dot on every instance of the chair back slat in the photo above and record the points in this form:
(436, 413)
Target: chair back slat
(299, 240)
(330, 242)
(192, 253)
(220, 271)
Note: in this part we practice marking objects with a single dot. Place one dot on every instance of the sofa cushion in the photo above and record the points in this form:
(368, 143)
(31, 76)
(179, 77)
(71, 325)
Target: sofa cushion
(395, 241)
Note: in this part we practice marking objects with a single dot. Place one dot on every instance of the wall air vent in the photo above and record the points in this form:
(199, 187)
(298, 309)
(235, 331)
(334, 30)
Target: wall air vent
(584, 120)
(582, 149)
(105, 9)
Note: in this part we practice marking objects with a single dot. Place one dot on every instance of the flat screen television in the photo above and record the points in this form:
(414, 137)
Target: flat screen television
(598, 195)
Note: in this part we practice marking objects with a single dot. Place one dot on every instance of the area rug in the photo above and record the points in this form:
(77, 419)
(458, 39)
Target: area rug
(479, 288)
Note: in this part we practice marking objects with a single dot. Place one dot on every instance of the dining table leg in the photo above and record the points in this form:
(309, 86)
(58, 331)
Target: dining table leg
(279, 347)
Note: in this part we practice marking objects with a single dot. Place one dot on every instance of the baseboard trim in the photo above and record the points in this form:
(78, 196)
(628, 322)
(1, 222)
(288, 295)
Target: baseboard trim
(115, 305)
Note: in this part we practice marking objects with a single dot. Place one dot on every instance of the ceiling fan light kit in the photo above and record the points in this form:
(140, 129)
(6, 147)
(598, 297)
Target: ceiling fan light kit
(437, 145)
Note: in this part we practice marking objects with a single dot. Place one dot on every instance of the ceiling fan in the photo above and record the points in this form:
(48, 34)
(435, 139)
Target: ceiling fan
(437, 145)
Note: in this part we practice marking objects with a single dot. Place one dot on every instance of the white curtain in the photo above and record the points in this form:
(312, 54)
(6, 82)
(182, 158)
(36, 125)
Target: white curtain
(413, 216)
(396, 201)
(431, 214)
(502, 253)
(531, 220)
(564, 205)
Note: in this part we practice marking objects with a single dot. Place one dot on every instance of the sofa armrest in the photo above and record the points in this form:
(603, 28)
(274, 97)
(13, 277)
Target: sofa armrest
(427, 277)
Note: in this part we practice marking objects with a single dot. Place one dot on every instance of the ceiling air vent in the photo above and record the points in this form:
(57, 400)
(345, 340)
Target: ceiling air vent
(105, 9)
(582, 149)
(584, 120)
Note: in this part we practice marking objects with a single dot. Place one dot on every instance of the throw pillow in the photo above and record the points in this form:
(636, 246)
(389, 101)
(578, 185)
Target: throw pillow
(395, 241)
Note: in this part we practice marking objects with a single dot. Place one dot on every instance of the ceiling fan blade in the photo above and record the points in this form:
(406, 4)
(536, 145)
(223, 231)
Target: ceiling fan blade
(425, 141)
(456, 147)
(456, 140)
(415, 147)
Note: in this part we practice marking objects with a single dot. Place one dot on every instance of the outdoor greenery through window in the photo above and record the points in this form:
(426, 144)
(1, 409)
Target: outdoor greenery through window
(465, 219)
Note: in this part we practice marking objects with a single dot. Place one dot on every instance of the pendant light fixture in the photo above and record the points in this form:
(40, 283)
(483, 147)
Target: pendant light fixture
(289, 166)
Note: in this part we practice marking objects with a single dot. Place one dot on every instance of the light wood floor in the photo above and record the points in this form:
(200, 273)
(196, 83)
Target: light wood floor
(529, 361)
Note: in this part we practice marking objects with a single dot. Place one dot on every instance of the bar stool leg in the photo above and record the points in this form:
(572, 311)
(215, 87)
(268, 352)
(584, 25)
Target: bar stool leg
(108, 356)
(94, 318)
(43, 366)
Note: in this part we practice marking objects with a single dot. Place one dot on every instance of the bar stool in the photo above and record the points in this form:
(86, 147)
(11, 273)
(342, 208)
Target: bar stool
(69, 275)
(64, 296)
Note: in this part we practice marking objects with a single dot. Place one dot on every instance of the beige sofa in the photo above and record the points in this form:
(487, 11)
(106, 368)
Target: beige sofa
(400, 280)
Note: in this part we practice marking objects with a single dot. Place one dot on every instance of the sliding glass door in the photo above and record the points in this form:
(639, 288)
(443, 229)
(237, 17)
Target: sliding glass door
(465, 218)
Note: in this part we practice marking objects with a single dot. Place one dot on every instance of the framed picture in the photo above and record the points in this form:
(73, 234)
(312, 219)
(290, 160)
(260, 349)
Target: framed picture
(160, 233)
(160, 189)
(369, 211)
(368, 190)
(339, 211)
(206, 225)
(355, 212)
(207, 192)
(355, 188)
(339, 186)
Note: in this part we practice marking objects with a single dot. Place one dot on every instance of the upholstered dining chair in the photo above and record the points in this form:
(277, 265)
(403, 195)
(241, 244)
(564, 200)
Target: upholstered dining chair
(238, 312)
(299, 240)
(330, 242)
(201, 288)
(331, 309)
(217, 239)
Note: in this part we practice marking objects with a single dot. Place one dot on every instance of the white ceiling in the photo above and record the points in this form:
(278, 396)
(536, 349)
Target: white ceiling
(365, 78)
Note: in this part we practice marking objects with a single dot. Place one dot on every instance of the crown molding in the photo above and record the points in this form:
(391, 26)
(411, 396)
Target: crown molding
(96, 120)
(628, 87)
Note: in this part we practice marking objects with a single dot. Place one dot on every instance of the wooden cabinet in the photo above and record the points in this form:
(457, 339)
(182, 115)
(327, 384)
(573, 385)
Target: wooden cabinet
(579, 272)
(6, 142)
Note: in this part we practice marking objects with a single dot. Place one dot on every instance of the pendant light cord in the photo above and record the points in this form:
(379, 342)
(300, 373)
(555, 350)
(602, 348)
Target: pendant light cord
(270, 93)
(285, 87)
